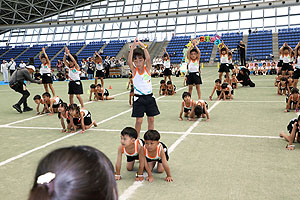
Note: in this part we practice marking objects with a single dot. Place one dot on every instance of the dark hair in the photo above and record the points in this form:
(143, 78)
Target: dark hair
(295, 91)
(297, 53)
(199, 110)
(223, 49)
(162, 82)
(264, 63)
(70, 60)
(152, 135)
(99, 85)
(218, 81)
(234, 74)
(286, 48)
(74, 107)
(81, 172)
(224, 85)
(229, 53)
(169, 82)
(138, 52)
(256, 64)
(65, 106)
(131, 132)
(47, 94)
(194, 50)
(186, 94)
(92, 86)
(165, 55)
(37, 97)
(43, 56)
(283, 79)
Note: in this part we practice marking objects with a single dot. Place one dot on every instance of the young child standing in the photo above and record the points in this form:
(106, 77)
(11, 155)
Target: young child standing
(167, 66)
(286, 59)
(224, 59)
(46, 72)
(217, 88)
(156, 152)
(296, 74)
(132, 147)
(193, 71)
(100, 73)
(131, 95)
(186, 105)
(75, 85)
(144, 100)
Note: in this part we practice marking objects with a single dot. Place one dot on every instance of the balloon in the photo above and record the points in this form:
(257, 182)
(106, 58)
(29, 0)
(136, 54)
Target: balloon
(207, 38)
(202, 39)
(217, 42)
(212, 39)
(217, 37)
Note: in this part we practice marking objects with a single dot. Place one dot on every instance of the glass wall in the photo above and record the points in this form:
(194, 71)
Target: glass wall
(160, 29)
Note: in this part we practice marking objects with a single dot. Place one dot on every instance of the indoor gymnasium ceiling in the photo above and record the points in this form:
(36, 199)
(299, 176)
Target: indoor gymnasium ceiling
(27, 11)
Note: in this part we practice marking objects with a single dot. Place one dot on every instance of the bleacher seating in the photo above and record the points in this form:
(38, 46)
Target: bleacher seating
(73, 47)
(90, 49)
(113, 48)
(4, 49)
(205, 49)
(260, 45)
(14, 52)
(31, 52)
(176, 45)
(291, 36)
(231, 40)
(51, 51)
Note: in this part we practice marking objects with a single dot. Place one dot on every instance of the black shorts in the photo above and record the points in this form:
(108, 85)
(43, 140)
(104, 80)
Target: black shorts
(194, 78)
(231, 66)
(219, 92)
(86, 120)
(75, 87)
(159, 160)
(233, 84)
(132, 158)
(47, 79)
(287, 67)
(296, 74)
(224, 68)
(144, 104)
(280, 63)
(186, 110)
(100, 73)
(167, 72)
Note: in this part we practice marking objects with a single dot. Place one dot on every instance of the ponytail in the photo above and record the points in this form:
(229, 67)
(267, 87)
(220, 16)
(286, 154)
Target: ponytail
(39, 192)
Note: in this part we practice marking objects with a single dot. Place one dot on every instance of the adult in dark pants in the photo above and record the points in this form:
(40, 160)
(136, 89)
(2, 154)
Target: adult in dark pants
(242, 49)
(16, 83)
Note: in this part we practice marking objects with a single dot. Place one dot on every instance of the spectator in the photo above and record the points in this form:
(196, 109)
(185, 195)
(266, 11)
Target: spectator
(84, 65)
(59, 65)
(60, 76)
(4, 71)
(242, 47)
(106, 66)
(22, 65)
(37, 75)
(90, 68)
(82, 74)
(12, 66)
(249, 31)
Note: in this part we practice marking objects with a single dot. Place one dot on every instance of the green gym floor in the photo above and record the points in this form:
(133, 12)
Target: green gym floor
(237, 155)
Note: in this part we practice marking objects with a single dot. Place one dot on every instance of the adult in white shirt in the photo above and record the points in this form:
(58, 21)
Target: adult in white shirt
(4, 70)
(22, 65)
(12, 66)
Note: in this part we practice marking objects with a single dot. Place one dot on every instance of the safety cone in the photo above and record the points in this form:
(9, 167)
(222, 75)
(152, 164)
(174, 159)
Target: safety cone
(202, 65)
(218, 65)
(110, 87)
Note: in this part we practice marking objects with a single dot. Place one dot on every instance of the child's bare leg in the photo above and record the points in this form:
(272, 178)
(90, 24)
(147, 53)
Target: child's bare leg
(109, 98)
(80, 100)
(52, 89)
(150, 123)
(130, 166)
(46, 87)
(138, 125)
(71, 98)
(227, 77)
(291, 73)
(198, 91)
(96, 80)
(160, 168)
(165, 78)
(190, 89)
(295, 83)
(89, 126)
(220, 75)
(170, 78)
(285, 136)
(102, 82)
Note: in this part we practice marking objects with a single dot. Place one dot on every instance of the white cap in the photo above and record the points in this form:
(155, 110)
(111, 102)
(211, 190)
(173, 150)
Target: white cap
(30, 67)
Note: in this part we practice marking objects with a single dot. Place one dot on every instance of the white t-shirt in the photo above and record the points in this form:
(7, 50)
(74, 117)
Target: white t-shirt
(22, 65)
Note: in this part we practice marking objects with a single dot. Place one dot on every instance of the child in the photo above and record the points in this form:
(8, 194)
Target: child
(144, 101)
(264, 69)
(51, 104)
(217, 88)
(100, 73)
(193, 71)
(132, 147)
(131, 94)
(130, 80)
(286, 58)
(199, 109)
(80, 118)
(186, 105)
(290, 84)
(236, 68)
(167, 65)
(230, 65)
(102, 94)
(92, 91)
(46, 71)
(234, 81)
(297, 65)
(224, 67)
(282, 87)
(75, 85)
(63, 113)
(293, 98)
(293, 129)
(277, 79)
(38, 100)
(83, 75)
(162, 88)
(156, 152)
(255, 69)
(170, 89)
(227, 92)
(37, 75)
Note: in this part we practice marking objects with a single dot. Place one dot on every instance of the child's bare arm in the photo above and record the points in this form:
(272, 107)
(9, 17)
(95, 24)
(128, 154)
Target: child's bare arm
(47, 58)
(90, 98)
(148, 170)
(206, 112)
(65, 60)
(181, 111)
(192, 113)
(62, 122)
(119, 163)
(288, 104)
(166, 166)
(159, 90)
(130, 56)
(199, 53)
(38, 109)
(82, 121)
(210, 97)
(142, 163)
(72, 58)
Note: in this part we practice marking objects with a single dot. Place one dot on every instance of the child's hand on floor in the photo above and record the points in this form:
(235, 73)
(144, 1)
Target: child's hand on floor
(150, 179)
(117, 177)
(207, 120)
(50, 114)
(169, 179)
(210, 97)
(82, 131)
(139, 178)
(180, 119)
